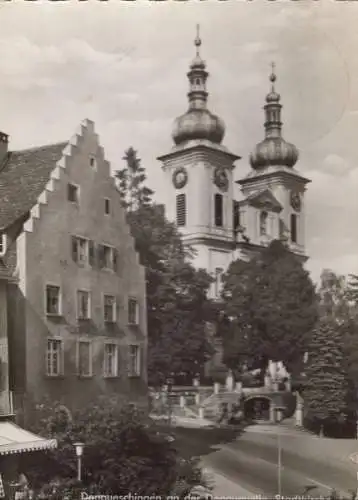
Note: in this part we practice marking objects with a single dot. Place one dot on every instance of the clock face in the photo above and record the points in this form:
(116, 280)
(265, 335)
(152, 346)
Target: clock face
(180, 178)
(296, 201)
(221, 179)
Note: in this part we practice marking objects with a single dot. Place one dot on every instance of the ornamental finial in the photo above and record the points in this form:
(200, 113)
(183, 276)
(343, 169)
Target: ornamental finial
(273, 76)
(197, 40)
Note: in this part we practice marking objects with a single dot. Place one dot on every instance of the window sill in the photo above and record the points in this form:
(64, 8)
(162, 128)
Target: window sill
(134, 375)
(133, 324)
(85, 376)
(56, 377)
(110, 321)
(53, 315)
(110, 377)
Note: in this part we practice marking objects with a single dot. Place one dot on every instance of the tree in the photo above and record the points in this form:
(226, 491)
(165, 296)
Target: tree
(327, 389)
(124, 453)
(131, 179)
(270, 309)
(177, 305)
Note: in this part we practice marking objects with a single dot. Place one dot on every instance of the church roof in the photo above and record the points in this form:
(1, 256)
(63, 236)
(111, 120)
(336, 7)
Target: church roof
(272, 170)
(23, 177)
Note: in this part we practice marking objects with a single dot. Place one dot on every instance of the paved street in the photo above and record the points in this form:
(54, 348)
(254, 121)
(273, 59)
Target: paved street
(252, 461)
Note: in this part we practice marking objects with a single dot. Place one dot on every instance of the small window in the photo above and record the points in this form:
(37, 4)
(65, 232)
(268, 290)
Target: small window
(107, 206)
(111, 360)
(3, 244)
(236, 215)
(181, 210)
(53, 306)
(54, 358)
(83, 304)
(109, 309)
(263, 223)
(84, 358)
(197, 81)
(93, 162)
(294, 228)
(72, 193)
(218, 210)
(133, 312)
(134, 361)
(107, 257)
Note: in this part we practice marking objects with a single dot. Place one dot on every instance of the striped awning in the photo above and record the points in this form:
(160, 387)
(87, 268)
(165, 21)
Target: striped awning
(14, 439)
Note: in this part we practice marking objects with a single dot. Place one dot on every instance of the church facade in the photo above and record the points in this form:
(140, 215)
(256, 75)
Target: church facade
(200, 172)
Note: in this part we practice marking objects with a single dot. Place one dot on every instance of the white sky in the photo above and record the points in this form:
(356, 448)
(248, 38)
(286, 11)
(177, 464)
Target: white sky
(124, 64)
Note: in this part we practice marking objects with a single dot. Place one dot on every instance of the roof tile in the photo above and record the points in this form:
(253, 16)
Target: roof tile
(23, 177)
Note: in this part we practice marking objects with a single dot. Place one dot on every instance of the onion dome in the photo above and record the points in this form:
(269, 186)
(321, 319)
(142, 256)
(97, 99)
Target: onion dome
(273, 150)
(198, 122)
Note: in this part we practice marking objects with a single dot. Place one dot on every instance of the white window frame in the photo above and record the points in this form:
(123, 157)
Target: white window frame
(89, 304)
(137, 365)
(136, 320)
(3, 244)
(90, 357)
(59, 312)
(114, 308)
(106, 374)
(107, 200)
(58, 341)
(77, 201)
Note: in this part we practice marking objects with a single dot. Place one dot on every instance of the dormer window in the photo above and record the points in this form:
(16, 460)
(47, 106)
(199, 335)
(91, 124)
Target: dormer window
(3, 244)
(263, 223)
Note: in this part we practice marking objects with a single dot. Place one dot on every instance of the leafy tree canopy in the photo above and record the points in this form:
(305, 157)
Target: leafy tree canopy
(269, 310)
(177, 305)
(124, 453)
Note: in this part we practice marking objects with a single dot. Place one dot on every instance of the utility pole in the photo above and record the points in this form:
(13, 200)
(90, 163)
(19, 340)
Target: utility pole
(279, 464)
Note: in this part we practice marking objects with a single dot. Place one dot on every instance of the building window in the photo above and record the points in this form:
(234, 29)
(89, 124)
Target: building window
(73, 193)
(3, 244)
(294, 228)
(53, 300)
(84, 358)
(83, 304)
(107, 257)
(109, 309)
(181, 210)
(263, 223)
(111, 360)
(93, 162)
(218, 276)
(134, 361)
(133, 312)
(218, 210)
(54, 358)
(107, 206)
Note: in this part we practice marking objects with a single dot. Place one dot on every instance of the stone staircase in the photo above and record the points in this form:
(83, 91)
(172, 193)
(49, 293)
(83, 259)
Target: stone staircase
(213, 404)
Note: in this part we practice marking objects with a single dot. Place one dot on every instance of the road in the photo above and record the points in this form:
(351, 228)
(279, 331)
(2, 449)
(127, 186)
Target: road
(252, 462)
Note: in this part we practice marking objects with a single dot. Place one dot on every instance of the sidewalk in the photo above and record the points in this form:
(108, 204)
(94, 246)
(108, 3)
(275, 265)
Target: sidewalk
(225, 487)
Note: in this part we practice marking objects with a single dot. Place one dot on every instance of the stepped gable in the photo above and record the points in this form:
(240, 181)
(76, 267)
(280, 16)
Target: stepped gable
(23, 177)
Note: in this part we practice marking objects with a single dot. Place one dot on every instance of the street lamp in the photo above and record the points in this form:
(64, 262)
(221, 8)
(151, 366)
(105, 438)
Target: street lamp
(79, 452)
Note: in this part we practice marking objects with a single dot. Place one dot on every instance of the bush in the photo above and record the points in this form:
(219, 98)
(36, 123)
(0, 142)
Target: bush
(124, 453)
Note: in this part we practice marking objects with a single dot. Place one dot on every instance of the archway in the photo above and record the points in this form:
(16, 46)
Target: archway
(257, 408)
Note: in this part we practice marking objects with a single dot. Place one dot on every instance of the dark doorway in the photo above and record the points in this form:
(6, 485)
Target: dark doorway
(257, 408)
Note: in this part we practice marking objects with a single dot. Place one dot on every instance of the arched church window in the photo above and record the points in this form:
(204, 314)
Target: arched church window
(263, 223)
(218, 210)
(294, 228)
(197, 81)
(181, 209)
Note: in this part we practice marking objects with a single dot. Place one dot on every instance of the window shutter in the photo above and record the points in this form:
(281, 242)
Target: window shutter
(91, 253)
(74, 248)
(100, 256)
(115, 260)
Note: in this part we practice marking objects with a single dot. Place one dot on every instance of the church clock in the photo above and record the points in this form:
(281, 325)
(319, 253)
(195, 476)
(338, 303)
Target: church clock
(295, 201)
(180, 178)
(220, 179)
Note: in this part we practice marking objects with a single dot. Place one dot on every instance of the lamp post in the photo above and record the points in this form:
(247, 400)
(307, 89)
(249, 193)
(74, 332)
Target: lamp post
(79, 452)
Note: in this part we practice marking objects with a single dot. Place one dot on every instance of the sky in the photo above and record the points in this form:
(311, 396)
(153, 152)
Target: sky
(124, 64)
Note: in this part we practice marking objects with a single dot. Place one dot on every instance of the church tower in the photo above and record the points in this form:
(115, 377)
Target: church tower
(199, 173)
(273, 205)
